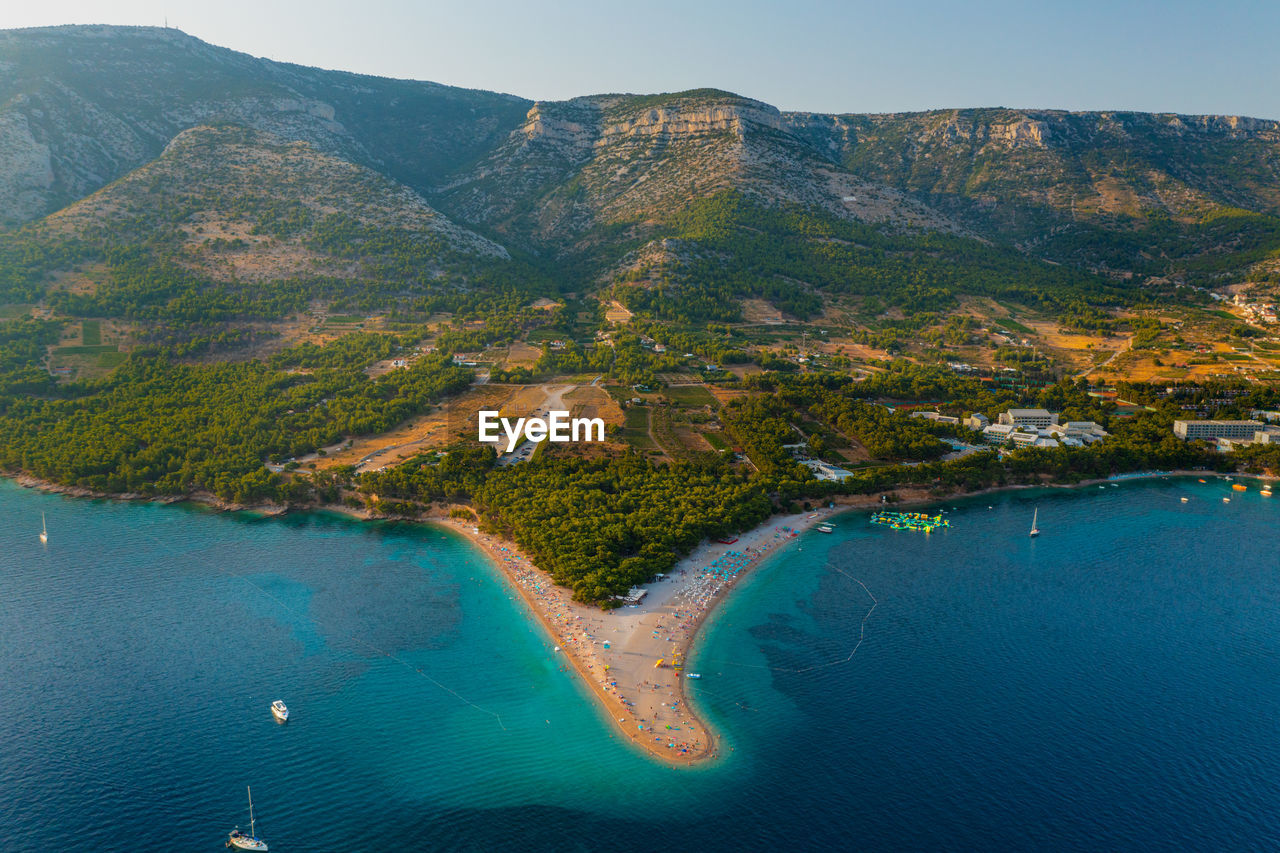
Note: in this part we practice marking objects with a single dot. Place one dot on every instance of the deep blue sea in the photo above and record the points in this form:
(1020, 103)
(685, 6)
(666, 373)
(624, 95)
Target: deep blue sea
(1112, 685)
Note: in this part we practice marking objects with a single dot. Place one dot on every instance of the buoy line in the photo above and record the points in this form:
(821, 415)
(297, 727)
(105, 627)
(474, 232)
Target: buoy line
(862, 635)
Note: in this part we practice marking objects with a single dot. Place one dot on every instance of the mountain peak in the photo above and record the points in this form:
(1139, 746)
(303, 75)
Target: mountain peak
(108, 34)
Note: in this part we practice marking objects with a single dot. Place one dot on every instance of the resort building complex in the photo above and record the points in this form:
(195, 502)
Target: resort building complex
(1035, 428)
(1037, 418)
(1211, 430)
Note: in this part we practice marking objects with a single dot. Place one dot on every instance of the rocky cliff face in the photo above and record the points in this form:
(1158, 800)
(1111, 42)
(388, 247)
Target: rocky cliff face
(1048, 165)
(690, 116)
(566, 130)
(26, 169)
(611, 160)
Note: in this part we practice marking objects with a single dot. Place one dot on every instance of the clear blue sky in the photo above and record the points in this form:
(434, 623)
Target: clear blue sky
(854, 56)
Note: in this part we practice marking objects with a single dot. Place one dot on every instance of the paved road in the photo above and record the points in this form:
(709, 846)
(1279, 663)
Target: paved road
(554, 399)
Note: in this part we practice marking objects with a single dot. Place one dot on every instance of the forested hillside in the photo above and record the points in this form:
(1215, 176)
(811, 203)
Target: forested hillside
(1156, 193)
(223, 275)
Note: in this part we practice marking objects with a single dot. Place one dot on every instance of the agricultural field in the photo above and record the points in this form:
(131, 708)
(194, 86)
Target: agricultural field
(521, 354)
(635, 430)
(14, 310)
(690, 396)
(593, 401)
(454, 421)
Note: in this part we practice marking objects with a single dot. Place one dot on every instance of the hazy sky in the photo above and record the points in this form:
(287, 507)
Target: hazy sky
(853, 56)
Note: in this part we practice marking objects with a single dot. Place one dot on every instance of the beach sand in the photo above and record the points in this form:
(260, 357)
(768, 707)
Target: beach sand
(617, 652)
(628, 656)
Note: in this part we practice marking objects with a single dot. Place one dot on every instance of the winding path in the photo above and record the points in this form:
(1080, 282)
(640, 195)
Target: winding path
(1128, 345)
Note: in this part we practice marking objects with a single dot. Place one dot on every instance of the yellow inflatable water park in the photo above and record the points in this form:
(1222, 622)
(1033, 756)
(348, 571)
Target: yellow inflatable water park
(910, 520)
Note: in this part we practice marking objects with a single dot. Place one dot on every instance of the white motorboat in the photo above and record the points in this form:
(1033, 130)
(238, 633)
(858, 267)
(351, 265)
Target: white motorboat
(280, 711)
(825, 528)
(239, 840)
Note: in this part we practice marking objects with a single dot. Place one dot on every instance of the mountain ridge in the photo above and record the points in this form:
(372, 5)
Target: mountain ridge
(80, 106)
(597, 181)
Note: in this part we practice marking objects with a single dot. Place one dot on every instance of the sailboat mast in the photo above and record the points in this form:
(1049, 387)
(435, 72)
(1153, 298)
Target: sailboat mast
(252, 832)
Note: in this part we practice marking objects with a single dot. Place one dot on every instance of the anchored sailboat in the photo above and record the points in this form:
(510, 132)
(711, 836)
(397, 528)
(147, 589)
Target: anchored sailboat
(1035, 531)
(241, 841)
(44, 529)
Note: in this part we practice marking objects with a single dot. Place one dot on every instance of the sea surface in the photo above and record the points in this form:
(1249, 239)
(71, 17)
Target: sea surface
(1111, 685)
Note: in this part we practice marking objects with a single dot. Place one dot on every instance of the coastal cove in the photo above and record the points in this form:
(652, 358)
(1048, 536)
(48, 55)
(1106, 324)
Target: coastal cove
(145, 642)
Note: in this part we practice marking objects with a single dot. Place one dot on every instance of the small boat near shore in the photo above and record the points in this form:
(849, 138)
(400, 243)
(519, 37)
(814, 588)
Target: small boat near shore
(280, 711)
(1035, 531)
(693, 675)
(825, 528)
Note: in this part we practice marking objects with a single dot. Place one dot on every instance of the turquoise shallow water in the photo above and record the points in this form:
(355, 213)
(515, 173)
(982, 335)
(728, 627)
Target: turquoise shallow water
(1111, 685)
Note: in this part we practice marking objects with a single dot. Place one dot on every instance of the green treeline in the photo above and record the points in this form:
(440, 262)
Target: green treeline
(353, 351)
(598, 526)
(22, 349)
(1225, 241)
(885, 434)
(626, 360)
(761, 426)
(155, 427)
(602, 526)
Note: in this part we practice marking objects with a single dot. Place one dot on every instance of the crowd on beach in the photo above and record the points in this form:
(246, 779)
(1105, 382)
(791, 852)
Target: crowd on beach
(699, 591)
(668, 723)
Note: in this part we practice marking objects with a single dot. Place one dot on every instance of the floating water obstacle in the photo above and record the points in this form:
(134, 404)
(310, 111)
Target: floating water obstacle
(910, 520)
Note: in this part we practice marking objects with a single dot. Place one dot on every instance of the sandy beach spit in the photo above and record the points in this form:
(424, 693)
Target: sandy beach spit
(632, 657)
(617, 652)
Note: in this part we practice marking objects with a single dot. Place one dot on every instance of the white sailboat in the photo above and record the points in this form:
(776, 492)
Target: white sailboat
(44, 529)
(241, 841)
(1035, 531)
